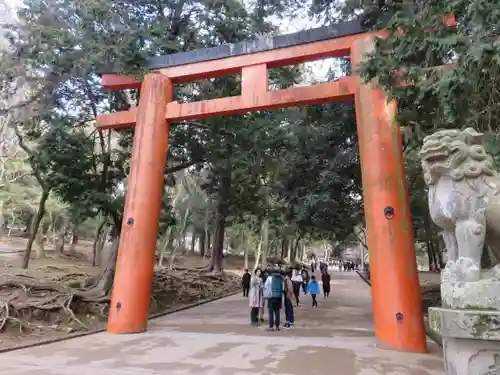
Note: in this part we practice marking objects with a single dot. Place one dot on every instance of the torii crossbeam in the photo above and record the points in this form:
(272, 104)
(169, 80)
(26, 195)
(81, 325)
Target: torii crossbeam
(395, 286)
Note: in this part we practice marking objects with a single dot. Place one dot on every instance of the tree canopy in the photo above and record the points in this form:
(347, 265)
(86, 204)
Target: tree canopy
(288, 177)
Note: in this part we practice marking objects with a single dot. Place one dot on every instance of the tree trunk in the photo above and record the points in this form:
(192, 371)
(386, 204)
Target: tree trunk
(182, 233)
(218, 241)
(193, 241)
(106, 276)
(59, 242)
(258, 252)
(297, 246)
(244, 243)
(34, 227)
(205, 239)
(74, 241)
(40, 244)
(202, 245)
(265, 243)
(221, 212)
(289, 247)
(2, 219)
(166, 245)
(98, 243)
(284, 246)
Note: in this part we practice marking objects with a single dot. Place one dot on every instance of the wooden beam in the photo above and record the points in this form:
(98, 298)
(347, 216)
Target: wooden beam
(276, 58)
(333, 91)
(273, 58)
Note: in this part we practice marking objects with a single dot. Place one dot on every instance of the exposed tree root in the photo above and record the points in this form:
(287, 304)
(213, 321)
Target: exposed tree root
(74, 302)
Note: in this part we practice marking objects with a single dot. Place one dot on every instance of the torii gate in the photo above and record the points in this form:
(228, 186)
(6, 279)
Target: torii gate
(397, 311)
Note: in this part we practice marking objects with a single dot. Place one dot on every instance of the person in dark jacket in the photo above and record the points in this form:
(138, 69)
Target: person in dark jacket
(245, 282)
(274, 302)
(325, 279)
(305, 279)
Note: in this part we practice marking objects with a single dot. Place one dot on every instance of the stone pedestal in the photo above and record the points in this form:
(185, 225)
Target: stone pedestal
(471, 340)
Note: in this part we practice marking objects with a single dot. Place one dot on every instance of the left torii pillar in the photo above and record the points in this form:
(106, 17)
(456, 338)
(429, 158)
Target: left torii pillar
(128, 312)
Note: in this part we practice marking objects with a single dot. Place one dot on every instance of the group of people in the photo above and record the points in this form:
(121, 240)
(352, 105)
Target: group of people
(280, 288)
(347, 266)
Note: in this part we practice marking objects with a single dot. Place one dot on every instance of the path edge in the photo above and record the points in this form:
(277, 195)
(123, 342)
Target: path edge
(100, 330)
(433, 335)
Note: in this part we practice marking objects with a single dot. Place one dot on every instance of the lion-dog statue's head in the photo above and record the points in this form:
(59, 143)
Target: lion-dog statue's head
(455, 153)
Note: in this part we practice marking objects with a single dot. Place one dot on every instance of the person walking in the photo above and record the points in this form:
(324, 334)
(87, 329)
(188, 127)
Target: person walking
(305, 279)
(255, 296)
(313, 289)
(289, 295)
(273, 292)
(297, 283)
(245, 282)
(325, 279)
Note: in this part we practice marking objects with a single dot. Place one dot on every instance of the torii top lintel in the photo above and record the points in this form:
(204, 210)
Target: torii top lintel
(252, 59)
(188, 66)
(277, 51)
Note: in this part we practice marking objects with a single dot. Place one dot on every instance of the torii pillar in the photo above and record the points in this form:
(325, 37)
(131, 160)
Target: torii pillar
(397, 308)
(129, 308)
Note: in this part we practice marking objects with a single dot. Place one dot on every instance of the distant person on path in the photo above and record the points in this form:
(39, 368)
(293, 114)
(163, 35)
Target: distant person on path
(325, 279)
(245, 282)
(256, 298)
(305, 279)
(289, 295)
(314, 290)
(273, 292)
(297, 283)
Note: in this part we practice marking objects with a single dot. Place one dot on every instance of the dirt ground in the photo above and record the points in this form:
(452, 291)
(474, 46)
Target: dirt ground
(43, 302)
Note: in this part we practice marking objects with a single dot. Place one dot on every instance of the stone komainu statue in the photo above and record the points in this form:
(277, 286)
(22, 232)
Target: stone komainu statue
(464, 199)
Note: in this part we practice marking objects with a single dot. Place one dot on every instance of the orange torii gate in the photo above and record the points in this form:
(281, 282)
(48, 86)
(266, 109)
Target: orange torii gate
(397, 311)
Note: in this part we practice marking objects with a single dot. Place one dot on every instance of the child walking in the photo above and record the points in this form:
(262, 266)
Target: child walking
(313, 290)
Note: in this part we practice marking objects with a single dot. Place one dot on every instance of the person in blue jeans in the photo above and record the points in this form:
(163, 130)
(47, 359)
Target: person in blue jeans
(274, 302)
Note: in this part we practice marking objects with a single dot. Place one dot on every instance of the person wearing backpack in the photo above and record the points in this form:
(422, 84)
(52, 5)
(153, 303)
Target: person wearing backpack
(273, 292)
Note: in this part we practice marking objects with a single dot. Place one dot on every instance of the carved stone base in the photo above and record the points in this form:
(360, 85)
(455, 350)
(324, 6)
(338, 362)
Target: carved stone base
(471, 340)
(462, 289)
(471, 357)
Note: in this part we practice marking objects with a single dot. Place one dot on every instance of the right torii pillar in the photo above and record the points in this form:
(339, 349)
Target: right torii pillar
(397, 309)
